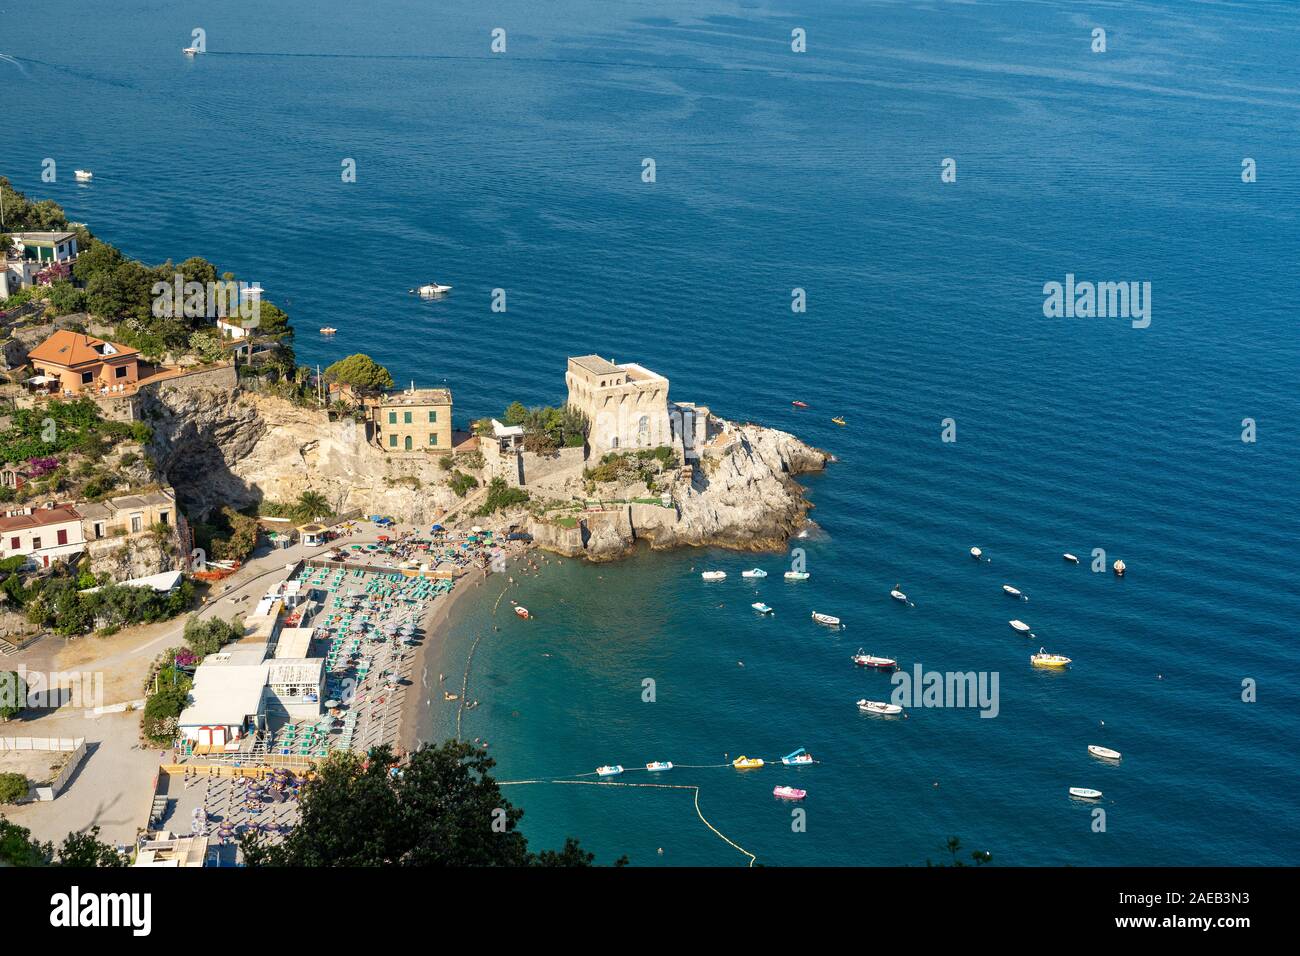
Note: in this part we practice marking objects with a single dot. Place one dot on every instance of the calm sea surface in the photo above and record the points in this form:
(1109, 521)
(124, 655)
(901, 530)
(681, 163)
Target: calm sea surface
(778, 170)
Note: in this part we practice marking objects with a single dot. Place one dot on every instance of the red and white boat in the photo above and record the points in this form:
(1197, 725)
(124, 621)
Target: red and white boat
(789, 793)
(799, 404)
(871, 660)
(522, 611)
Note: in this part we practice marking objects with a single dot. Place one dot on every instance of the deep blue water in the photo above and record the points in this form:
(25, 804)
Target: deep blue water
(820, 171)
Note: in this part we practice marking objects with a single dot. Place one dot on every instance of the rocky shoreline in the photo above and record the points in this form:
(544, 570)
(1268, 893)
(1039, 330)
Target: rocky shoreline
(219, 445)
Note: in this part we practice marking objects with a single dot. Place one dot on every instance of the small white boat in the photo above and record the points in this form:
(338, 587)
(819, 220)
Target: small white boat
(879, 707)
(83, 175)
(611, 770)
(328, 330)
(789, 793)
(714, 575)
(871, 660)
(1119, 568)
(1071, 558)
(976, 553)
(431, 289)
(1104, 752)
(1085, 793)
(898, 595)
(826, 619)
(1020, 626)
(191, 51)
(1014, 592)
(797, 758)
(754, 573)
(797, 575)
(761, 608)
(522, 611)
(659, 765)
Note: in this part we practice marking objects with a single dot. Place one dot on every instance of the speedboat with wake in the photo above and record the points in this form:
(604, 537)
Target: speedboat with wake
(879, 707)
(83, 175)
(870, 660)
(827, 619)
(797, 758)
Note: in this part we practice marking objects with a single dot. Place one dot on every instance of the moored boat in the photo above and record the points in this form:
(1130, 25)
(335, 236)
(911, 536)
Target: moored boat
(754, 573)
(1043, 659)
(522, 611)
(431, 289)
(797, 575)
(797, 758)
(871, 660)
(659, 765)
(789, 793)
(609, 770)
(1071, 558)
(1020, 626)
(328, 330)
(827, 619)
(761, 608)
(747, 763)
(1119, 568)
(1085, 793)
(1014, 592)
(976, 553)
(839, 420)
(714, 575)
(799, 404)
(879, 707)
(1104, 752)
(898, 595)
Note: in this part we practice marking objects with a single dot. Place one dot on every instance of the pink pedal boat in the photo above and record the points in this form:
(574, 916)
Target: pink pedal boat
(789, 793)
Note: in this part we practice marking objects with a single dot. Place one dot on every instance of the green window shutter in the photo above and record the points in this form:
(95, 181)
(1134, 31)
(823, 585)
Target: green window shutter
(392, 441)
(406, 418)
(433, 416)
(433, 438)
(392, 418)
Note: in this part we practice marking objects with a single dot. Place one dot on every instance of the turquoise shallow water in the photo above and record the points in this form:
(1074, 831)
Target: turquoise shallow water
(819, 171)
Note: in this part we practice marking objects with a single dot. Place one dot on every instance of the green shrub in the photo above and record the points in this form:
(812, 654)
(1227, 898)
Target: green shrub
(13, 787)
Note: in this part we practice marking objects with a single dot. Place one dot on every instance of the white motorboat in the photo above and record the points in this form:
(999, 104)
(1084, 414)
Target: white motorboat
(83, 175)
(1085, 793)
(609, 770)
(976, 553)
(1103, 752)
(431, 289)
(659, 765)
(714, 575)
(754, 573)
(879, 707)
(898, 595)
(761, 608)
(871, 660)
(1014, 592)
(797, 575)
(1071, 558)
(191, 51)
(826, 619)
(1019, 626)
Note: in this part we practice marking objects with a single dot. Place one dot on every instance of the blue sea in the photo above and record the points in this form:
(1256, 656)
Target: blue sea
(777, 170)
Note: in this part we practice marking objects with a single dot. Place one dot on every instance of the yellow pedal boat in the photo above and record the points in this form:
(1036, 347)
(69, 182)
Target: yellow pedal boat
(747, 763)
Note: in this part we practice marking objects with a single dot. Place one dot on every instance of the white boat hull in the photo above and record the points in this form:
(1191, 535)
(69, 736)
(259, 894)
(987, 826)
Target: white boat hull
(879, 707)
(1085, 793)
(1105, 753)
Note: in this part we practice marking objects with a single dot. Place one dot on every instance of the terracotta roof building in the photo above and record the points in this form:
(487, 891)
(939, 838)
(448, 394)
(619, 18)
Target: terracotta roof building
(79, 362)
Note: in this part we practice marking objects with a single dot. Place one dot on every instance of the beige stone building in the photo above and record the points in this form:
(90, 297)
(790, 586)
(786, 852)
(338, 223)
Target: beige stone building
(627, 407)
(414, 420)
(127, 515)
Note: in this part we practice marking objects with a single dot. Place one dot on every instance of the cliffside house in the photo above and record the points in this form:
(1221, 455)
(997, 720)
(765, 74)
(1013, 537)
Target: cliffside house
(414, 420)
(127, 516)
(33, 253)
(70, 363)
(627, 406)
(42, 535)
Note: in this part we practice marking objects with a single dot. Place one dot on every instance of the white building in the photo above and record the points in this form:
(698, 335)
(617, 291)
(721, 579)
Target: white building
(32, 252)
(43, 535)
(627, 407)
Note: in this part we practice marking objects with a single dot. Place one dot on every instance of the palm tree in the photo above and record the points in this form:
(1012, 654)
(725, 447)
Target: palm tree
(312, 503)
